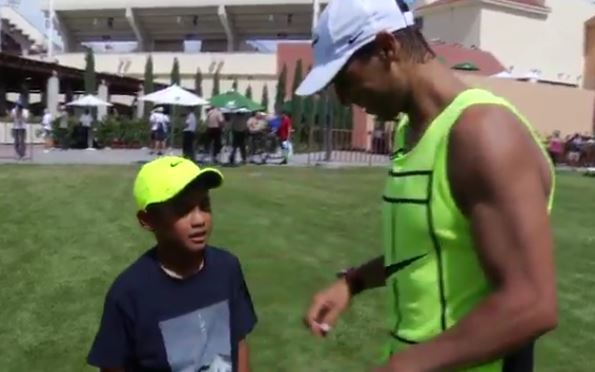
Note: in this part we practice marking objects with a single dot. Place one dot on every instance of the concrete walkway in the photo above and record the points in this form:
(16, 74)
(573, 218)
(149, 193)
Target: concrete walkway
(36, 155)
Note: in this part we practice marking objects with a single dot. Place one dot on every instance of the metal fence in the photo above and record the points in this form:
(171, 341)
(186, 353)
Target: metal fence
(329, 145)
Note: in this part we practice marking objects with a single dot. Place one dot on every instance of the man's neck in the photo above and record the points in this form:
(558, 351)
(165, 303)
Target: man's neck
(179, 264)
(434, 87)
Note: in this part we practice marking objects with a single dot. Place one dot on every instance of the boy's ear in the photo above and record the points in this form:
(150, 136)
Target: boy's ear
(145, 220)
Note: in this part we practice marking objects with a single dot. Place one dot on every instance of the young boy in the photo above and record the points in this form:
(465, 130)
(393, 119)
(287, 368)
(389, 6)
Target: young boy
(183, 305)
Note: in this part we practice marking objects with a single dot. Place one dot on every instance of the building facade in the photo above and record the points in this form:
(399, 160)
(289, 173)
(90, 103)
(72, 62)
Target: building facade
(541, 38)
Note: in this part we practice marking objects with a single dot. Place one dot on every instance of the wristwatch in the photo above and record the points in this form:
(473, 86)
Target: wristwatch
(354, 281)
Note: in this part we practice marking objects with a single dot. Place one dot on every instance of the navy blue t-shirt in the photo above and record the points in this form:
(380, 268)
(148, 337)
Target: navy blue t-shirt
(153, 322)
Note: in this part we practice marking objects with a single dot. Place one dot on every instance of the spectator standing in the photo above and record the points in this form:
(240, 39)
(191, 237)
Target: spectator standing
(188, 144)
(158, 121)
(284, 134)
(86, 121)
(46, 124)
(556, 147)
(215, 123)
(62, 134)
(19, 115)
(239, 129)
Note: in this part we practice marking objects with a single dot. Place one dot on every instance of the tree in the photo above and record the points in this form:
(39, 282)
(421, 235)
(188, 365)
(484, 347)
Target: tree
(349, 117)
(175, 79)
(281, 89)
(149, 85)
(310, 111)
(265, 98)
(198, 90)
(90, 77)
(175, 72)
(297, 101)
(249, 91)
(322, 109)
(216, 84)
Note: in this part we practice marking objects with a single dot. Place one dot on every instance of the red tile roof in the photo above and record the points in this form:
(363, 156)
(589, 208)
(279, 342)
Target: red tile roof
(454, 54)
(536, 3)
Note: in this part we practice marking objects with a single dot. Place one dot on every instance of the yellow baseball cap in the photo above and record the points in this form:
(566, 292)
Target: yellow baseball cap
(160, 180)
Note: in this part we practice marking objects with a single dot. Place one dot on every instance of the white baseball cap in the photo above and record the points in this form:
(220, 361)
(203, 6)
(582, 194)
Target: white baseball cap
(344, 27)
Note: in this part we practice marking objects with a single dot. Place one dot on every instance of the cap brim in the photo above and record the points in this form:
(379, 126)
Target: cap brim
(321, 76)
(209, 178)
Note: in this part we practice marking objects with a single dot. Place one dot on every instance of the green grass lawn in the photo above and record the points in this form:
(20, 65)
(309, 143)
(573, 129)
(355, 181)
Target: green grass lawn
(66, 232)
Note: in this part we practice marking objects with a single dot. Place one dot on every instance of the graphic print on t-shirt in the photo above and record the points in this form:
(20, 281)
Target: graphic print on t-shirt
(199, 341)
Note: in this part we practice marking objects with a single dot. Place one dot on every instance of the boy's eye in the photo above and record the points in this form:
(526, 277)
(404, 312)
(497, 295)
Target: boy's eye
(205, 204)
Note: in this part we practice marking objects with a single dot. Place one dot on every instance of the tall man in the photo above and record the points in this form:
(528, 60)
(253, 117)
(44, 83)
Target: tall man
(215, 122)
(19, 115)
(189, 135)
(468, 261)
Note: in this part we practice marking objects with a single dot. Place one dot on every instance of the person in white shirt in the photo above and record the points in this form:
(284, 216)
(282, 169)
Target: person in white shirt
(46, 124)
(189, 136)
(215, 123)
(63, 134)
(19, 115)
(158, 121)
(87, 121)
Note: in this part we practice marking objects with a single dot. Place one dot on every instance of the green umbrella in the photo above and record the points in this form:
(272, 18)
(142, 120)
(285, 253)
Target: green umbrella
(466, 66)
(233, 101)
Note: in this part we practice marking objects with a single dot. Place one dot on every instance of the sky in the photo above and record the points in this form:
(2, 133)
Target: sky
(31, 9)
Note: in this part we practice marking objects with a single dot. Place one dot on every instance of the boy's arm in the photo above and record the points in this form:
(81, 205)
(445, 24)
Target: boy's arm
(243, 357)
(243, 316)
(112, 346)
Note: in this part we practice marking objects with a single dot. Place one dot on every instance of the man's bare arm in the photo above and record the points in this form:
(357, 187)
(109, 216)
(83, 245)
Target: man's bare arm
(243, 357)
(500, 180)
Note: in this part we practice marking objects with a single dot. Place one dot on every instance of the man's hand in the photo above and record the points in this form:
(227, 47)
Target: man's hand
(326, 308)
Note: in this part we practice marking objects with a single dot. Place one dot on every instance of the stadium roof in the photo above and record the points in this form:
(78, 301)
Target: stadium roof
(157, 21)
(15, 70)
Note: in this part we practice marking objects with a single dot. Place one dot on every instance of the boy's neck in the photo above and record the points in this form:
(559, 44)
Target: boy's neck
(179, 264)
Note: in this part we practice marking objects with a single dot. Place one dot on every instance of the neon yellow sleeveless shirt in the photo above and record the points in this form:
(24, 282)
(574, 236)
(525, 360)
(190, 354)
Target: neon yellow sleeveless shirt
(433, 274)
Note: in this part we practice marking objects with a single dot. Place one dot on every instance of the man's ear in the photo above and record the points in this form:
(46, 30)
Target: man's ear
(388, 47)
(145, 220)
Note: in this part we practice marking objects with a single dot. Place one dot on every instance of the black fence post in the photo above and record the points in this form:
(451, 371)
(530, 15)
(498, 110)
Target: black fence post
(328, 131)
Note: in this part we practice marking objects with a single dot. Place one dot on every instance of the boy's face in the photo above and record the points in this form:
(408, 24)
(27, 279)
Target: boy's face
(184, 222)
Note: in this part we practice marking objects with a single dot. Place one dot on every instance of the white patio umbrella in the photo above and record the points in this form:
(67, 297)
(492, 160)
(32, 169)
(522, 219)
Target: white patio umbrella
(175, 95)
(89, 101)
(504, 74)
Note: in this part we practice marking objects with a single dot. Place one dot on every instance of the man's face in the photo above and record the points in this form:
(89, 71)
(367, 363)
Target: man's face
(373, 79)
(184, 222)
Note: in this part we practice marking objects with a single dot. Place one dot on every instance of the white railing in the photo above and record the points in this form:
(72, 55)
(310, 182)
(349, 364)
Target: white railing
(34, 133)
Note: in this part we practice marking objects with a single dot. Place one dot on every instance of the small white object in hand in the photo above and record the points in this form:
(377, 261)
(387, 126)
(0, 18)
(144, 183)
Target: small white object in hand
(324, 327)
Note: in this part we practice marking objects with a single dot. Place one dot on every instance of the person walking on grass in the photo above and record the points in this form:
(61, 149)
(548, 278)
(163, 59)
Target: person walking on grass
(468, 260)
(183, 305)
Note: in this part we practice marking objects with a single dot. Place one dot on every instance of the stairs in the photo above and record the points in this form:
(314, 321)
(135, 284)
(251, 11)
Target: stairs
(21, 30)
